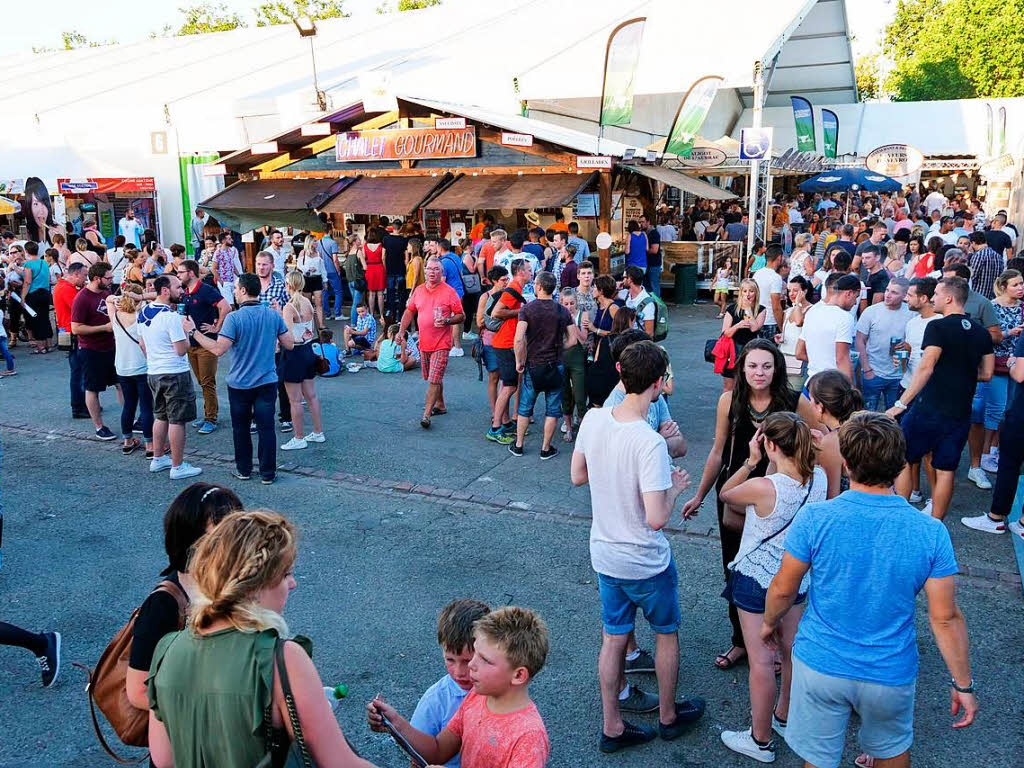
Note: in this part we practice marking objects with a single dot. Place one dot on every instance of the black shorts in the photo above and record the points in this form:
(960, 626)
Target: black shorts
(507, 366)
(944, 438)
(98, 371)
(298, 364)
(174, 397)
(39, 325)
(313, 284)
(361, 342)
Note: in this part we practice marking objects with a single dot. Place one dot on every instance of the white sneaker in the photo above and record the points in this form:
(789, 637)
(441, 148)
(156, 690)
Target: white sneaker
(457, 352)
(990, 462)
(469, 336)
(295, 444)
(927, 508)
(316, 437)
(1016, 528)
(184, 470)
(743, 742)
(563, 428)
(160, 463)
(778, 726)
(984, 523)
(977, 476)
(915, 497)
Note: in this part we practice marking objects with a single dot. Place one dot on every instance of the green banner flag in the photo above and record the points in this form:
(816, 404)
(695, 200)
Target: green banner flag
(830, 132)
(620, 60)
(803, 117)
(690, 116)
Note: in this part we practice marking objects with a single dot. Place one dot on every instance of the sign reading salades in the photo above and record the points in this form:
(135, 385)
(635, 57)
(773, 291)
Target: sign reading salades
(92, 185)
(405, 144)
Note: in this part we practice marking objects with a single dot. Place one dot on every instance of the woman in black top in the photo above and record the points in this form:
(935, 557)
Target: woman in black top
(741, 323)
(193, 512)
(760, 390)
(601, 376)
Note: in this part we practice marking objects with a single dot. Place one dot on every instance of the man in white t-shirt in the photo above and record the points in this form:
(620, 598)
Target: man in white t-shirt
(771, 288)
(119, 262)
(165, 344)
(935, 201)
(880, 327)
(131, 228)
(633, 489)
(828, 328)
(638, 299)
(279, 251)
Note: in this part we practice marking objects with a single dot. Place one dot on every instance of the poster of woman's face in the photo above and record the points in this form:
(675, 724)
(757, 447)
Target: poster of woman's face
(37, 210)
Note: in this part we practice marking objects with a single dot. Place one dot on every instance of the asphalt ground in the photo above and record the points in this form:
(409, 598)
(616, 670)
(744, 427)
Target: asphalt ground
(395, 521)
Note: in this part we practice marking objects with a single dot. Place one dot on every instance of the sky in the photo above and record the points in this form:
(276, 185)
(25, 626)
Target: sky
(130, 21)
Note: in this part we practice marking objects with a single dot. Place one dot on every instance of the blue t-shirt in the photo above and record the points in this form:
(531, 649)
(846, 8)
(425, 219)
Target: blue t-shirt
(657, 413)
(436, 707)
(40, 274)
(582, 248)
(535, 249)
(452, 266)
(330, 352)
(253, 328)
(870, 555)
(328, 247)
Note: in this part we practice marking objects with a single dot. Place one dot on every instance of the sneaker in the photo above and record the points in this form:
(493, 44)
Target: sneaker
(295, 444)
(469, 336)
(239, 476)
(49, 662)
(457, 352)
(103, 433)
(563, 429)
(498, 436)
(184, 470)
(198, 423)
(267, 480)
(927, 508)
(638, 701)
(208, 428)
(631, 736)
(252, 429)
(984, 523)
(515, 450)
(548, 453)
(990, 462)
(316, 437)
(9, 373)
(137, 427)
(688, 712)
(160, 463)
(915, 497)
(977, 476)
(778, 726)
(83, 414)
(1016, 528)
(509, 427)
(743, 742)
(286, 426)
(642, 663)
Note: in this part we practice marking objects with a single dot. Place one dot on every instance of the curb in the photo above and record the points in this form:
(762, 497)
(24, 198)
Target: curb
(466, 500)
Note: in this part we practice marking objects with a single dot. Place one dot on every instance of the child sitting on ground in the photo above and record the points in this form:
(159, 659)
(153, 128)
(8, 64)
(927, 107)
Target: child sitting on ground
(329, 351)
(497, 725)
(439, 703)
(390, 354)
(361, 338)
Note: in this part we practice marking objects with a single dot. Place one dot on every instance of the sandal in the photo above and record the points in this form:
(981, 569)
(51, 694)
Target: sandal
(568, 436)
(425, 422)
(729, 659)
(438, 411)
(864, 761)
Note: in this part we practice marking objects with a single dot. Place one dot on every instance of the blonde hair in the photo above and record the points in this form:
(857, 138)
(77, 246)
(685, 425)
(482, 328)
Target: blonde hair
(520, 633)
(81, 245)
(127, 302)
(756, 306)
(1003, 281)
(801, 240)
(792, 436)
(295, 282)
(231, 564)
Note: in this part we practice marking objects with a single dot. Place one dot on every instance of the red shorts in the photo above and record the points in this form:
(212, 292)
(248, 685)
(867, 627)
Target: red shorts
(433, 365)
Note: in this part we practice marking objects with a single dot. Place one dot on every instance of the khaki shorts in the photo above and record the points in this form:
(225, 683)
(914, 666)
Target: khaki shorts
(174, 399)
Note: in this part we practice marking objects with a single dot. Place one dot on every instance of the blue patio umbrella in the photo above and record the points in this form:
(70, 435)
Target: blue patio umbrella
(844, 179)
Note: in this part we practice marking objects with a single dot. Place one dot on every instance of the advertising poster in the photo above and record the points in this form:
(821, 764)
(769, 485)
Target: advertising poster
(803, 119)
(830, 132)
(620, 62)
(692, 112)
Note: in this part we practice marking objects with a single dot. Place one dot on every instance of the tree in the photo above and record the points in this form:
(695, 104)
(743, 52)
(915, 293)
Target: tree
(866, 71)
(955, 49)
(71, 41)
(282, 11)
(207, 17)
(415, 5)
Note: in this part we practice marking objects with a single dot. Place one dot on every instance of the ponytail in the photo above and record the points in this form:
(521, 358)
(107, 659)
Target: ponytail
(295, 282)
(792, 436)
(836, 394)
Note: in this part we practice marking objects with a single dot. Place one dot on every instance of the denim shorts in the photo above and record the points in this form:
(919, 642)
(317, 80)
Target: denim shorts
(552, 394)
(944, 438)
(747, 594)
(490, 359)
(820, 708)
(657, 597)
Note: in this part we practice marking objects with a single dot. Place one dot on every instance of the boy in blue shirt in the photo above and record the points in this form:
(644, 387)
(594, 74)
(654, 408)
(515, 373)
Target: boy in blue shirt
(455, 636)
(329, 351)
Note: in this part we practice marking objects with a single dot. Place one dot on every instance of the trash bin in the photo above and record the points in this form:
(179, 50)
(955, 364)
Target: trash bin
(685, 291)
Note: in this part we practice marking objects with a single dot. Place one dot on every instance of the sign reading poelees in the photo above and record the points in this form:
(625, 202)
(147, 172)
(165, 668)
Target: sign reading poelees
(405, 144)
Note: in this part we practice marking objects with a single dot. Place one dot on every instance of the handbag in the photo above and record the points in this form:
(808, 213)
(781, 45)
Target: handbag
(323, 365)
(709, 350)
(1001, 365)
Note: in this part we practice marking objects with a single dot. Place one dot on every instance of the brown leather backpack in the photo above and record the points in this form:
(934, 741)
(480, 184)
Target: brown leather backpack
(106, 687)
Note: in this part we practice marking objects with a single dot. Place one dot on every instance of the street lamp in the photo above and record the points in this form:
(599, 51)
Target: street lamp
(307, 28)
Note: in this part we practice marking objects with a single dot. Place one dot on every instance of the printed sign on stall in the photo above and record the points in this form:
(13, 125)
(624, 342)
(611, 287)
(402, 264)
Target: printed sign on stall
(516, 139)
(405, 144)
(593, 161)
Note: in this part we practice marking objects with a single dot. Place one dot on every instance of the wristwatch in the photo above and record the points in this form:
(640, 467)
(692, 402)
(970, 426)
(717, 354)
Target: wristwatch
(900, 404)
(967, 689)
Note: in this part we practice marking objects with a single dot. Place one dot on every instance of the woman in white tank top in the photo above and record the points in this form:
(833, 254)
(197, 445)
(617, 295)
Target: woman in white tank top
(298, 366)
(770, 504)
(130, 363)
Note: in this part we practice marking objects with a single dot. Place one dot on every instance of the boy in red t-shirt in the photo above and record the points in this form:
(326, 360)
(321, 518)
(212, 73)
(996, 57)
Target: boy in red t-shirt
(507, 309)
(497, 725)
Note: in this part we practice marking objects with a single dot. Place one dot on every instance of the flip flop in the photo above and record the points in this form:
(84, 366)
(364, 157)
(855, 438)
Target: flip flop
(723, 662)
(864, 761)
(438, 411)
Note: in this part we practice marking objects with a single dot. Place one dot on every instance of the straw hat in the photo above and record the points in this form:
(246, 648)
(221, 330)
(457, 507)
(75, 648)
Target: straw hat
(532, 218)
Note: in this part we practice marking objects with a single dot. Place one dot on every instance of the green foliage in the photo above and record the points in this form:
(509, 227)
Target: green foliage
(415, 5)
(71, 41)
(956, 49)
(207, 17)
(282, 12)
(866, 72)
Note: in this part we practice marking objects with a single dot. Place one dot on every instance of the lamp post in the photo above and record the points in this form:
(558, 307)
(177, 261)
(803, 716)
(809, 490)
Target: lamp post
(307, 28)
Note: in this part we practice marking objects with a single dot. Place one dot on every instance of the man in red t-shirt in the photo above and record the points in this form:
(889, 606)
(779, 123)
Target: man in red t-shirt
(436, 306)
(63, 297)
(507, 309)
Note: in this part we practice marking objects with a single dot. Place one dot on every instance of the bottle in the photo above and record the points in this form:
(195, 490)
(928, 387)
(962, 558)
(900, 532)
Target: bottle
(438, 314)
(335, 694)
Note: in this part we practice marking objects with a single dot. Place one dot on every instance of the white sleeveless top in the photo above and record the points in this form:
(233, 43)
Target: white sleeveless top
(299, 330)
(128, 357)
(761, 563)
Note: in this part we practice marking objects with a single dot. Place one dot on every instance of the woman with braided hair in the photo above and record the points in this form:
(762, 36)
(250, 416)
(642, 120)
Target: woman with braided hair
(215, 691)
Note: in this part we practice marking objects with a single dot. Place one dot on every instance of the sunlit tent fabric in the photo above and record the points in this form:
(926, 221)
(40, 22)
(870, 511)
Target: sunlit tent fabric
(682, 181)
(536, 190)
(384, 194)
(278, 202)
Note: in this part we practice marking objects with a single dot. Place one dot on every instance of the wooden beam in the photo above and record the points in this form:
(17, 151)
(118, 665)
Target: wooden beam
(604, 218)
(481, 171)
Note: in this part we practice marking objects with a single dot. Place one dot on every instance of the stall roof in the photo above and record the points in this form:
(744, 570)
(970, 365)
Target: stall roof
(247, 205)
(681, 181)
(387, 194)
(527, 191)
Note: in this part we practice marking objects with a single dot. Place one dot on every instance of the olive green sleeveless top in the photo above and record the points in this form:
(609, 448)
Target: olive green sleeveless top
(212, 693)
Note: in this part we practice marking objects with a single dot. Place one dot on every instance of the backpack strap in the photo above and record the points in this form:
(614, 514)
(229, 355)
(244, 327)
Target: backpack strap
(179, 596)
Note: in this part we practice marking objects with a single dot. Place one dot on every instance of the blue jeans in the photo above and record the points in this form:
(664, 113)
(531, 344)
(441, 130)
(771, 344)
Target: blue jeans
(653, 279)
(357, 296)
(77, 380)
(552, 389)
(989, 404)
(657, 597)
(248, 405)
(137, 394)
(877, 390)
(334, 281)
(6, 353)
